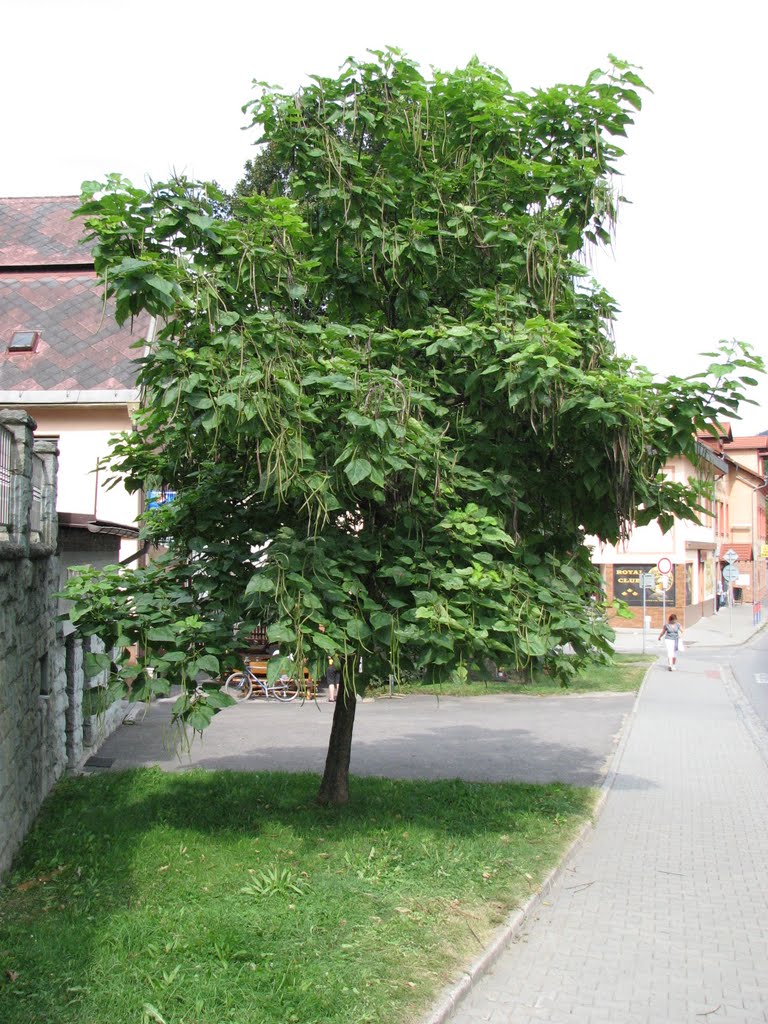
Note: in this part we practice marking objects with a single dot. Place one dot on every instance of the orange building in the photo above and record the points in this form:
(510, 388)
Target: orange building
(731, 472)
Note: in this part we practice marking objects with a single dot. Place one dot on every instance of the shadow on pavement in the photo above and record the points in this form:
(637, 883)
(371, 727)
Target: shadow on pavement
(482, 740)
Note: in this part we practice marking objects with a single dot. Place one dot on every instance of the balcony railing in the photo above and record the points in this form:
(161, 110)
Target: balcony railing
(6, 466)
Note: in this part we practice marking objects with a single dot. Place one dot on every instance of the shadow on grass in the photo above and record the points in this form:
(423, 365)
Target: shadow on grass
(130, 877)
(114, 808)
(94, 826)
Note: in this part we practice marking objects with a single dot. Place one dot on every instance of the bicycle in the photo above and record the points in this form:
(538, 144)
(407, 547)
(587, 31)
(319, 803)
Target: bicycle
(240, 685)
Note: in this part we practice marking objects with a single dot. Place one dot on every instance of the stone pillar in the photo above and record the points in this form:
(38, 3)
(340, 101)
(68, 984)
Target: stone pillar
(74, 665)
(48, 454)
(20, 426)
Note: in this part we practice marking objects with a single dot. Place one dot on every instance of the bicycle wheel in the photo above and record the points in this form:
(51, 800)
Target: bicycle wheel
(238, 686)
(285, 689)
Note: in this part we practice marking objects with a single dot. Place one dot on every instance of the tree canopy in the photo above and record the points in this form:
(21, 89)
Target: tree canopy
(384, 386)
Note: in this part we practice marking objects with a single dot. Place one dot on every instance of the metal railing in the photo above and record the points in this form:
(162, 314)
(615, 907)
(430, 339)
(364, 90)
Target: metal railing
(6, 466)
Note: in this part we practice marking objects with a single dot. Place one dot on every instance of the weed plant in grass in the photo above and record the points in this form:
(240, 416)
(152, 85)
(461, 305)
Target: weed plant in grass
(232, 898)
(624, 674)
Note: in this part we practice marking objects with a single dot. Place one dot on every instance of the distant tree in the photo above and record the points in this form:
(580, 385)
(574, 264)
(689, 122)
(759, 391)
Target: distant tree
(384, 388)
(264, 175)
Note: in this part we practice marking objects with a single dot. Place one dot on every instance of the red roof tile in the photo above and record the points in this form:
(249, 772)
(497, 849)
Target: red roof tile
(80, 348)
(758, 442)
(744, 551)
(37, 232)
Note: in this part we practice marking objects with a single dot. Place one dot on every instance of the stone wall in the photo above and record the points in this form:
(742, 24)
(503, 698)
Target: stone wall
(51, 717)
(90, 720)
(33, 698)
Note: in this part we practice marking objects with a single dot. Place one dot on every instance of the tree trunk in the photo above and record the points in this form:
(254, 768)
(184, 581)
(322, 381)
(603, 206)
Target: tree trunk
(334, 789)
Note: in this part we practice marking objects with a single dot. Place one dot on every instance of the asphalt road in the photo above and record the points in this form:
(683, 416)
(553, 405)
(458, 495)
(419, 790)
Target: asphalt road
(568, 738)
(750, 666)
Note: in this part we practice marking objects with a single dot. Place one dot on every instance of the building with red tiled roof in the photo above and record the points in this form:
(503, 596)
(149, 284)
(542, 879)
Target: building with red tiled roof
(48, 288)
(63, 358)
(750, 452)
(744, 512)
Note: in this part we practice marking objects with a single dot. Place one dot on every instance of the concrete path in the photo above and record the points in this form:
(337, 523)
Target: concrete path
(661, 916)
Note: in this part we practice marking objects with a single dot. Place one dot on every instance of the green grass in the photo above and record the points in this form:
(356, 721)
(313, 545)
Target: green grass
(623, 675)
(231, 898)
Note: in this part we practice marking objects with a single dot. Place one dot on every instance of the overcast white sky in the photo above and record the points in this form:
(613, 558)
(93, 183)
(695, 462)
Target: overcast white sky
(144, 87)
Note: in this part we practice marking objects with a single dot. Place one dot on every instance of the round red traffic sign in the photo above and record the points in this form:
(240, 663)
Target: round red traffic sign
(664, 565)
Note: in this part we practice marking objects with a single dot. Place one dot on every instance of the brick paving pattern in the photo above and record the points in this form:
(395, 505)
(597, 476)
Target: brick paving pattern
(662, 915)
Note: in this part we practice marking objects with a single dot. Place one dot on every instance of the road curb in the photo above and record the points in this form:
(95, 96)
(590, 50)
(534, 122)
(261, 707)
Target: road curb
(452, 997)
(745, 711)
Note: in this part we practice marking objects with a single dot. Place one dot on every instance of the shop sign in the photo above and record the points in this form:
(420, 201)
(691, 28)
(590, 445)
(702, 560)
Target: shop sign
(628, 585)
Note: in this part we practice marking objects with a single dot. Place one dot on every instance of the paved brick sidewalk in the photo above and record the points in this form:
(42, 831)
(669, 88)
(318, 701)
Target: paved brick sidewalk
(662, 915)
(730, 626)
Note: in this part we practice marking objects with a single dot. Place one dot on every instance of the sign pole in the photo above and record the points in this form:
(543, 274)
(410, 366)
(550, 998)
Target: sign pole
(731, 574)
(664, 566)
(730, 607)
(647, 581)
(643, 616)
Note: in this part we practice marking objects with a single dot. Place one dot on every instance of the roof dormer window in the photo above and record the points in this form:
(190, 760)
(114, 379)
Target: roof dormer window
(23, 341)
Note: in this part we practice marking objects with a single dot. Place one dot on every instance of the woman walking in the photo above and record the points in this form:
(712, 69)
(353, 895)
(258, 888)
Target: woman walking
(672, 633)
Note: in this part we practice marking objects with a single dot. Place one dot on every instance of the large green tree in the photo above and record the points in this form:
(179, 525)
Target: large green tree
(384, 387)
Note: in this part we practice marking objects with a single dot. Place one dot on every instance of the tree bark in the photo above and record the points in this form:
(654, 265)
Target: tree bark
(334, 789)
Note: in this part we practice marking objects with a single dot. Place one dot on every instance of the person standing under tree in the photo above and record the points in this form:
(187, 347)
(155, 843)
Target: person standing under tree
(672, 633)
(332, 678)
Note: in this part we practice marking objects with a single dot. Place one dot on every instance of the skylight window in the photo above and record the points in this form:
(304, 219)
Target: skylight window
(23, 341)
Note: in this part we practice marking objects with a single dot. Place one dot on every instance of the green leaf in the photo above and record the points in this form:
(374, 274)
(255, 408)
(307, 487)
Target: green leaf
(259, 584)
(218, 699)
(356, 419)
(199, 716)
(423, 246)
(202, 222)
(381, 620)
(94, 663)
(571, 574)
(324, 642)
(205, 663)
(162, 634)
(281, 634)
(357, 470)
(357, 629)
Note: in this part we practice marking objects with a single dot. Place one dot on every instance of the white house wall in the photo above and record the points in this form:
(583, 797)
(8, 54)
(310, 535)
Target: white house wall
(84, 433)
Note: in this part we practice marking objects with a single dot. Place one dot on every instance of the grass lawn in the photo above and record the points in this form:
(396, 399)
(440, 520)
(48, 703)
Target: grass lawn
(228, 898)
(624, 674)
